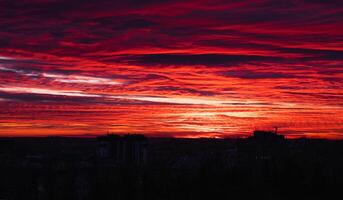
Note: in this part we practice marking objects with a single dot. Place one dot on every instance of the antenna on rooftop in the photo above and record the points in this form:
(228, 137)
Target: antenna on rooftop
(276, 129)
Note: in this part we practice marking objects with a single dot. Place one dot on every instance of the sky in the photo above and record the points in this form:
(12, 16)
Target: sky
(171, 68)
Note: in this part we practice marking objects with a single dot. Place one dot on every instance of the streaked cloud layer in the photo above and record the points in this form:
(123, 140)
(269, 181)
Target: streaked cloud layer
(171, 68)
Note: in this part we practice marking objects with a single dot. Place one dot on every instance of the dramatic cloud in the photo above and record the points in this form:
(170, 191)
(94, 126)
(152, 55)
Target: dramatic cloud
(171, 68)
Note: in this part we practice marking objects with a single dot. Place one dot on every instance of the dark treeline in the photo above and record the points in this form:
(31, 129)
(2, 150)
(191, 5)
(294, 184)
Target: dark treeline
(134, 167)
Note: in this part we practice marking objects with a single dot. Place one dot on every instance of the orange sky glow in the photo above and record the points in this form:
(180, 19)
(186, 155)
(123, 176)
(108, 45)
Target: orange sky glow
(171, 68)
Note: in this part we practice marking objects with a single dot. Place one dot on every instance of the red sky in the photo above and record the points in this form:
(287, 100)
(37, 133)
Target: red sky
(171, 68)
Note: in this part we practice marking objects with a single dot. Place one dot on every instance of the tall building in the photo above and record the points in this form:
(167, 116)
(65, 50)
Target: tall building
(262, 148)
(263, 145)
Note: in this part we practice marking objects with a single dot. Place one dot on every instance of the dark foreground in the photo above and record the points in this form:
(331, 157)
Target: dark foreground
(133, 167)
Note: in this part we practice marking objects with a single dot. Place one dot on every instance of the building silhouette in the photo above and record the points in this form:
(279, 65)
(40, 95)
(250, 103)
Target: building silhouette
(263, 155)
(263, 144)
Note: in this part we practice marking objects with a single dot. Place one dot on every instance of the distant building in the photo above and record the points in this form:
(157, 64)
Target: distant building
(267, 144)
(264, 153)
(266, 136)
(263, 144)
(127, 149)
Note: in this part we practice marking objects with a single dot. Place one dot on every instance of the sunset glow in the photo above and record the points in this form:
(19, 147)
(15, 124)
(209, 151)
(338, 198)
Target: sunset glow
(171, 68)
